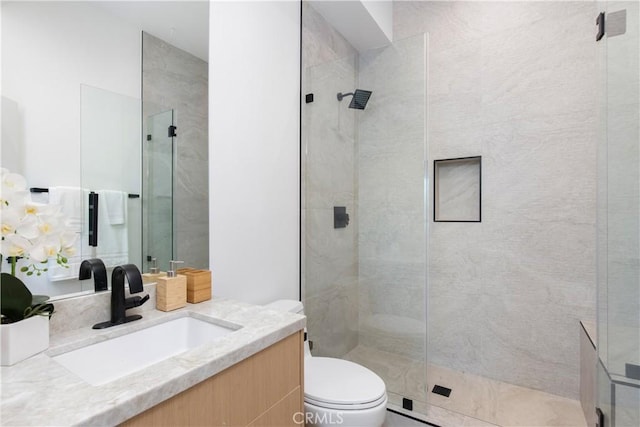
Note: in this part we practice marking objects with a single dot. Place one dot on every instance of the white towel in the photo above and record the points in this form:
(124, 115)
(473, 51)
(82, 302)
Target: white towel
(73, 202)
(115, 202)
(113, 239)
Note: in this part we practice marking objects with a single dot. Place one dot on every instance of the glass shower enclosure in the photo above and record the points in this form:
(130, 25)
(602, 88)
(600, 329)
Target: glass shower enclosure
(618, 346)
(364, 213)
(158, 188)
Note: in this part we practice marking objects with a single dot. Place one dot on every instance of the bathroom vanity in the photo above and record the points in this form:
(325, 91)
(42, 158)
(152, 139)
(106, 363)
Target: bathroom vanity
(251, 376)
(263, 390)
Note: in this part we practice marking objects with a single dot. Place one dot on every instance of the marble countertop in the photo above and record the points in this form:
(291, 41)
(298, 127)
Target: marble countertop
(40, 391)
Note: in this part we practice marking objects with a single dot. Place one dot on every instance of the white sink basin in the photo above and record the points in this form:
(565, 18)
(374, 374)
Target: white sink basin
(109, 360)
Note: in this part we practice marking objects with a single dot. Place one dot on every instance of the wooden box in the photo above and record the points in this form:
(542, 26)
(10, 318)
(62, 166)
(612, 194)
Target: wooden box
(198, 284)
(171, 292)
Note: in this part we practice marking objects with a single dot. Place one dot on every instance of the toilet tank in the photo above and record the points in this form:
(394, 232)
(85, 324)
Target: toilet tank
(289, 305)
(292, 306)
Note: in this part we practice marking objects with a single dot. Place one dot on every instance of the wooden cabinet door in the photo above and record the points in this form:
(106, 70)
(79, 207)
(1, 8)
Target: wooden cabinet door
(264, 390)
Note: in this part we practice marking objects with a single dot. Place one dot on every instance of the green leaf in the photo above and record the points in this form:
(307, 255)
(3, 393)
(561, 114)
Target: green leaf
(15, 297)
(29, 273)
(64, 260)
(39, 309)
(23, 269)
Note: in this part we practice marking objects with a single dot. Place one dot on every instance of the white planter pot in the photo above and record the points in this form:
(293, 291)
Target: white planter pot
(23, 339)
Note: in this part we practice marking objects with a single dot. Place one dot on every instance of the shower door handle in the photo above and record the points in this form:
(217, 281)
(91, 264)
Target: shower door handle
(93, 219)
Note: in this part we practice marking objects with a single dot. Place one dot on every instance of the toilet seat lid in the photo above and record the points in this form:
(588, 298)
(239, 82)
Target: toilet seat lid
(340, 382)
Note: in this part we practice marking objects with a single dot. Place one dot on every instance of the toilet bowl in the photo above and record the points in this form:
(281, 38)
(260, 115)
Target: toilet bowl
(338, 392)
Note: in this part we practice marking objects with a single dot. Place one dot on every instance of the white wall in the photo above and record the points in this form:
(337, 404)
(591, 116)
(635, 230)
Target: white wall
(254, 156)
(48, 50)
(365, 24)
(382, 12)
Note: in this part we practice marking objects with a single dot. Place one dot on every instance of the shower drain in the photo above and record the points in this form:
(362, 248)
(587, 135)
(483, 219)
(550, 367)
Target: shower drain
(443, 391)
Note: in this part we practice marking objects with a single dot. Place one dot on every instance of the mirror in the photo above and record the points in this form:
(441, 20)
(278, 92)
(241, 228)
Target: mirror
(77, 118)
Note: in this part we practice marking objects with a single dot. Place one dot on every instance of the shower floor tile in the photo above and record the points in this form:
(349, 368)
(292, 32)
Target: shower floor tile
(474, 400)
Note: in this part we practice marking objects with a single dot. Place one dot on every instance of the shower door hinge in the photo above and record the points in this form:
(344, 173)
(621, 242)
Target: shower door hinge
(340, 217)
(600, 24)
(632, 371)
(172, 131)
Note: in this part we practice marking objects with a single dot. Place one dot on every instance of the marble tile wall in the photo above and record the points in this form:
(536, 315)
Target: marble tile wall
(513, 82)
(176, 79)
(330, 267)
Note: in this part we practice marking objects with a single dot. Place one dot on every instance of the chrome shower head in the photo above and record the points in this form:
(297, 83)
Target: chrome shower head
(359, 100)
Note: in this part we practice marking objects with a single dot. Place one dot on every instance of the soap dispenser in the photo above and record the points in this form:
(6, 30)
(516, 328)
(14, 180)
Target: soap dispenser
(153, 274)
(171, 290)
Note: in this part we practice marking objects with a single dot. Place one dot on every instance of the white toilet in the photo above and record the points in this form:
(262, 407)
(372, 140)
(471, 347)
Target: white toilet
(338, 392)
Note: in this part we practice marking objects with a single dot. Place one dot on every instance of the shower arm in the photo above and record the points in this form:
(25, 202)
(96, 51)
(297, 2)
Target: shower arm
(342, 95)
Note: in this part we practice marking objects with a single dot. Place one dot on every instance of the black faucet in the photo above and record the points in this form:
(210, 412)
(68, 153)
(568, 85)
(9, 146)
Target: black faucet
(120, 304)
(96, 266)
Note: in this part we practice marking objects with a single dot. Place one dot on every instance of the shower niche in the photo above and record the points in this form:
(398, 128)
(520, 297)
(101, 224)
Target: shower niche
(457, 189)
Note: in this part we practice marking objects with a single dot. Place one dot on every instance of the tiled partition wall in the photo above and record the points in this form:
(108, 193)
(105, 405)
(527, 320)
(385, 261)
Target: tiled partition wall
(330, 267)
(173, 78)
(513, 82)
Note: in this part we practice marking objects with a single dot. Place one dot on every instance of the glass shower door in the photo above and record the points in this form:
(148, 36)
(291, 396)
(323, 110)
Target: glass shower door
(158, 186)
(619, 217)
(364, 280)
(392, 214)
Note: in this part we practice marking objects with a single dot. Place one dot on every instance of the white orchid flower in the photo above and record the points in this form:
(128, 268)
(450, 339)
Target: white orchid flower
(45, 248)
(31, 230)
(68, 238)
(48, 224)
(29, 227)
(68, 251)
(68, 242)
(12, 189)
(10, 198)
(15, 245)
(35, 209)
(13, 181)
(9, 220)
